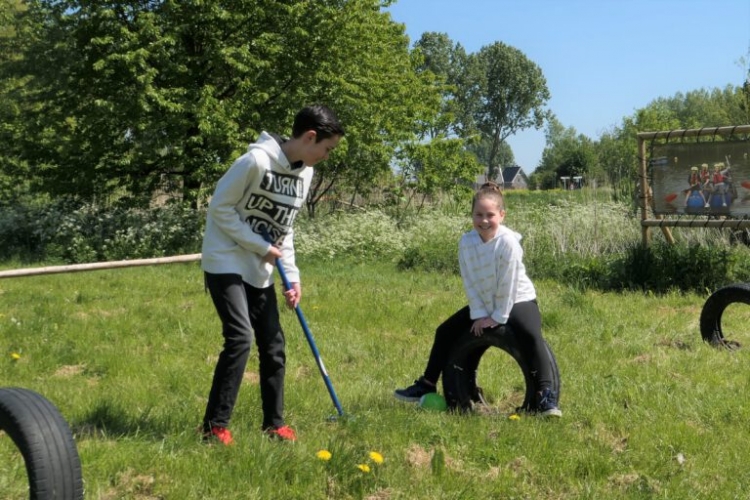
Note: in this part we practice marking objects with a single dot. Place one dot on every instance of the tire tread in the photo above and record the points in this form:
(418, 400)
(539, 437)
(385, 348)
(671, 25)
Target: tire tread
(44, 439)
(458, 375)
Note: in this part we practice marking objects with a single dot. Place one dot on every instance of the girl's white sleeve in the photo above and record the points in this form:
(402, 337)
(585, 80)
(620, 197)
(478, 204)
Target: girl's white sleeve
(509, 255)
(476, 306)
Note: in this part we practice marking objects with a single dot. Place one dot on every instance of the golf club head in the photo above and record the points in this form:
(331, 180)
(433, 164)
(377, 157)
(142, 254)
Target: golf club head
(342, 418)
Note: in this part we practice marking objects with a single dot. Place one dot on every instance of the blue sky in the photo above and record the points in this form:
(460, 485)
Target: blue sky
(602, 59)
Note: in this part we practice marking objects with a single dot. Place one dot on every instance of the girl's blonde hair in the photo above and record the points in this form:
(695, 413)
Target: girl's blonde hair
(492, 191)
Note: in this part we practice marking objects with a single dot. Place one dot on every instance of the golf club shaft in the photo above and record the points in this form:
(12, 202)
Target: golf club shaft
(310, 340)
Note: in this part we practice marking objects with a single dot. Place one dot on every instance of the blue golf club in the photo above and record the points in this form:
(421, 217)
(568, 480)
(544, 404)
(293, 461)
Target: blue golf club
(308, 335)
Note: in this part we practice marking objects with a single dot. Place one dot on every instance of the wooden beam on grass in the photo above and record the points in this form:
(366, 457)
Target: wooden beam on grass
(94, 266)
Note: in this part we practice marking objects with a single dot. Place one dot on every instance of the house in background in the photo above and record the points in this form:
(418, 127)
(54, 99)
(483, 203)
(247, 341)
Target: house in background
(510, 178)
(515, 178)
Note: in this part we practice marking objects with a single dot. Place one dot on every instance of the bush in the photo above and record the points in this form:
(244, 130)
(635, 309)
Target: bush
(71, 232)
(588, 244)
(663, 267)
(373, 235)
(368, 235)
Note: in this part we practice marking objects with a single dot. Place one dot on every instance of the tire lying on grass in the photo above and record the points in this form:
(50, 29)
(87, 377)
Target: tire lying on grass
(44, 439)
(459, 376)
(713, 309)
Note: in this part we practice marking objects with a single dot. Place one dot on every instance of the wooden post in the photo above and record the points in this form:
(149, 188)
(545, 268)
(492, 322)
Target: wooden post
(643, 193)
(648, 200)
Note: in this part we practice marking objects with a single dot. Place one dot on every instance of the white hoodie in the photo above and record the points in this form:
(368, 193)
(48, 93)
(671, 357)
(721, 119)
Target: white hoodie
(493, 274)
(260, 193)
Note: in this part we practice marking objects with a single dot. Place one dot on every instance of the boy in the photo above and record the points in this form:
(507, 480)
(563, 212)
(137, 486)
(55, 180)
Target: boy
(259, 196)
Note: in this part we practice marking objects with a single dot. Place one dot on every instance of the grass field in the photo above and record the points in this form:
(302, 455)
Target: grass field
(650, 411)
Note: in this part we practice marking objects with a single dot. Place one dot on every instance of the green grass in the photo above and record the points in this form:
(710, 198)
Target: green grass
(127, 355)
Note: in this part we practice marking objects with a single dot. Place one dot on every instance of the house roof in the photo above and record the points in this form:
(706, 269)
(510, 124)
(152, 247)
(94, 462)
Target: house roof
(510, 173)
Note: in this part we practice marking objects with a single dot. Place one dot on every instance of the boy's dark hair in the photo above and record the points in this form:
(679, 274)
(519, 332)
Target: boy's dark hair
(319, 118)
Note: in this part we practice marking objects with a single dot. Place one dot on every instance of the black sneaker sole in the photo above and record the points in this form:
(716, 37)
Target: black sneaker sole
(407, 399)
(552, 412)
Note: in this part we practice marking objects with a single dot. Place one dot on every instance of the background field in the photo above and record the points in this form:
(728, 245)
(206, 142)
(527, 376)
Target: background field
(650, 411)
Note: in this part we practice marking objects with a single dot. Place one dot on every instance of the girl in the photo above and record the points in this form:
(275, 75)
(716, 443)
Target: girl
(499, 292)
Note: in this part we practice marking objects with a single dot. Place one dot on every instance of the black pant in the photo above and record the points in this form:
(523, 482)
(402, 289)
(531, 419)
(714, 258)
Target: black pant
(526, 322)
(245, 310)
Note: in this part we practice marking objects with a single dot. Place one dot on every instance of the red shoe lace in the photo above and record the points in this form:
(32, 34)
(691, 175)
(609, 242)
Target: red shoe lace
(285, 433)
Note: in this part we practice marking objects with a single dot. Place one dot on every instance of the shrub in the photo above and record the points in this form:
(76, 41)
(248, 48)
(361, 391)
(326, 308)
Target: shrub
(358, 235)
(67, 231)
(589, 243)
(663, 267)
(373, 235)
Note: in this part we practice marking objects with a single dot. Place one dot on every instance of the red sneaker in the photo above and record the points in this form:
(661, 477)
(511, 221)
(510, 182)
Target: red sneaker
(220, 433)
(283, 433)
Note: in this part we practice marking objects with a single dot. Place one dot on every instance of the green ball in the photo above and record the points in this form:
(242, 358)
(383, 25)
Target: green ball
(433, 401)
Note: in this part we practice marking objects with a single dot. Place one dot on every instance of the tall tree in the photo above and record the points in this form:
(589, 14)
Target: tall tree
(13, 170)
(436, 158)
(503, 157)
(373, 83)
(617, 150)
(506, 93)
(447, 63)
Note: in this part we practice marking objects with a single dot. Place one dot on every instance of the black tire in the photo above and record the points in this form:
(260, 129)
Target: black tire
(459, 376)
(717, 302)
(44, 439)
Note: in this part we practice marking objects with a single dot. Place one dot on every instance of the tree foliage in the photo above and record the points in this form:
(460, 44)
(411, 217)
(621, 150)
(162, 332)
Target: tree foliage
(437, 157)
(446, 62)
(505, 93)
(107, 99)
(13, 178)
(482, 149)
(613, 157)
(566, 154)
(486, 97)
(137, 95)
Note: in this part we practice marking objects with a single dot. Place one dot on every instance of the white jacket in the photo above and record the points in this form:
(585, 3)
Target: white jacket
(261, 192)
(493, 274)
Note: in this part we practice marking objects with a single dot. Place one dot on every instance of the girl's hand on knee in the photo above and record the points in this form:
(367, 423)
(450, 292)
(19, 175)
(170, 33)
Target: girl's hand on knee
(478, 327)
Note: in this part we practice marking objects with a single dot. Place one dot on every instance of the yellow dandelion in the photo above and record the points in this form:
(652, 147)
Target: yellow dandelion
(376, 457)
(515, 416)
(15, 356)
(364, 468)
(324, 455)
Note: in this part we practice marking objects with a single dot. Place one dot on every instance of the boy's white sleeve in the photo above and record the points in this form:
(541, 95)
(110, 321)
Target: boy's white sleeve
(288, 258)
(222, 209)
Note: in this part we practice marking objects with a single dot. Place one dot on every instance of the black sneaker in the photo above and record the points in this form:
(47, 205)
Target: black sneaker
(413, 393)
(547, 404)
